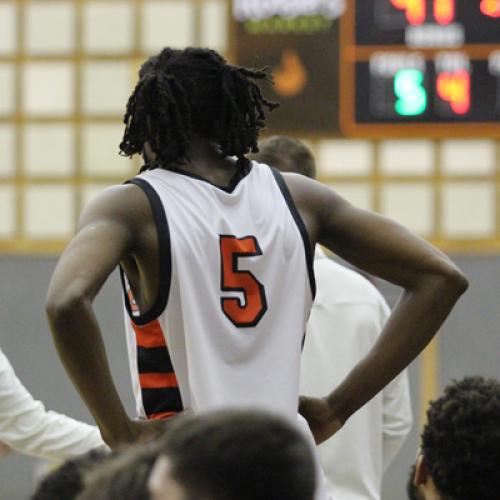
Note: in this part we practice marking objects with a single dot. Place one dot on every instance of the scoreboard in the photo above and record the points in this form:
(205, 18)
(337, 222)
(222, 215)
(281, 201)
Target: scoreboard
(376, 68)
(420, 67)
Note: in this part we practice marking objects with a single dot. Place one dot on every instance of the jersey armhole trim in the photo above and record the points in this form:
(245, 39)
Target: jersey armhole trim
(300, 225)
(164, 254)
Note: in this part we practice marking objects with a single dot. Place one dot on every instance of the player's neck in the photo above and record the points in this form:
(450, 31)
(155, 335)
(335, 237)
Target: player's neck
(205, 160)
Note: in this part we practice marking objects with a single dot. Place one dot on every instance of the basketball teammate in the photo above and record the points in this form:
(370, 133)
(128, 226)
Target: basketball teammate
(216, 255)
(346, 319)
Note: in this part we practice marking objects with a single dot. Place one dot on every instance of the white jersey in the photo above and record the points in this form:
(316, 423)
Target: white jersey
(237, 284)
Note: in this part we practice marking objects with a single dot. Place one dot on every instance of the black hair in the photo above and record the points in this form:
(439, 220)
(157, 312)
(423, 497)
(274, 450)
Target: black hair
(461, 441)
(240, 455)
(183, 93)
(67, 481)
(125, 476)
(411, 489)
(287, 154)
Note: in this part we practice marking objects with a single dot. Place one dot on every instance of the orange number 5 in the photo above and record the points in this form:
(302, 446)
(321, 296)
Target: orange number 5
(234, 280)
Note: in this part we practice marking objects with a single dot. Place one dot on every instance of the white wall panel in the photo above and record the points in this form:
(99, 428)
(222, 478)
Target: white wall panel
(167, 24)
(468, 210)
(344, 157)
(49, 211)
(49, 150)
(48, 88)
(50, 27)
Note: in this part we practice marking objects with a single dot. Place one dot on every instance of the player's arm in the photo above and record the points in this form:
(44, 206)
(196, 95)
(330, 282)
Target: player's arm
(432, 284)
(106, 234)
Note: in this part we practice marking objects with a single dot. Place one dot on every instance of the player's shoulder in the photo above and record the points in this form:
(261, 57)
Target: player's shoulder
(124, 203)
(339, 284)
(301, 186)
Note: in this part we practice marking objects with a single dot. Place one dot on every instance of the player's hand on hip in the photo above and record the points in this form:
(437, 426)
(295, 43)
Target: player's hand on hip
(135, 431)
(322, 421)
(145, 430)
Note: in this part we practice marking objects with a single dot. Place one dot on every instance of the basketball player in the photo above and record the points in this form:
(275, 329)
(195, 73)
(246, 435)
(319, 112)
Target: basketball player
(460, 452)
(346, 319)
(216, 256)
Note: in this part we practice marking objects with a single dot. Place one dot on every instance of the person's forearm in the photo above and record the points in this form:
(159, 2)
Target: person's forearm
(413, 323)
(80, 346)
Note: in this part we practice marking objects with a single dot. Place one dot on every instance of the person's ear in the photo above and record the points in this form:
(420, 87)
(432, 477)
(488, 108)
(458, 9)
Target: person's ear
(421, 471)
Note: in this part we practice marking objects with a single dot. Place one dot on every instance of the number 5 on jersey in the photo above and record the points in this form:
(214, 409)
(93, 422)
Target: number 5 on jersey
(235, 280)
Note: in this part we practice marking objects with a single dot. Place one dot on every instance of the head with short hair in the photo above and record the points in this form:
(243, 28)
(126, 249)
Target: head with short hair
(67, 481)
(125, 476)
(234, 455)
(287, 155)
(461, 442)
(183, 94)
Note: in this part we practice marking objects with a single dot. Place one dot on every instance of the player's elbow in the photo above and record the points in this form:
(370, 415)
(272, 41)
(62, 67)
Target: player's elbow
(448, 278)
(60, 306)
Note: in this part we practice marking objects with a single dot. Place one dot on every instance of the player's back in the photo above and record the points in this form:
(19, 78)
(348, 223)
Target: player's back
(236, 290)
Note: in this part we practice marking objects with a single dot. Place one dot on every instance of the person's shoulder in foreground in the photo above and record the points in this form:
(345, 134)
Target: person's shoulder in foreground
(459, 457)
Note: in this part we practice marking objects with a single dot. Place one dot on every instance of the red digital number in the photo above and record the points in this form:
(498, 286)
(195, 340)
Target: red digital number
(490, 8)
(235, 280)
(444, 11)
(415, 10)
(455, 89)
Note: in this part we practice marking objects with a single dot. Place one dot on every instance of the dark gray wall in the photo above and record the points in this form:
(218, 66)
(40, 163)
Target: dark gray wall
(25, 339)
(470, 344)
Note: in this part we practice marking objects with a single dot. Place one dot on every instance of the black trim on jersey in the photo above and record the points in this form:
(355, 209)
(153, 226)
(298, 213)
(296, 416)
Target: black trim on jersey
(154, 360)
(238, 176)
(236, 270)
(162, 400)
(301, 226)
(164, 254)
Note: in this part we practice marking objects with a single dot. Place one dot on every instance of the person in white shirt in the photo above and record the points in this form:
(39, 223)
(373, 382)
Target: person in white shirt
(28, 428)
(347, 316)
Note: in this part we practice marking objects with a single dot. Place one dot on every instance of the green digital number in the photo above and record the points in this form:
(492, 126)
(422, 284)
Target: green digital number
(411, 94)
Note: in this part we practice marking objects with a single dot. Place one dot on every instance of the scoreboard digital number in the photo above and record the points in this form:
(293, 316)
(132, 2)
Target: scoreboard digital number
(420, 67)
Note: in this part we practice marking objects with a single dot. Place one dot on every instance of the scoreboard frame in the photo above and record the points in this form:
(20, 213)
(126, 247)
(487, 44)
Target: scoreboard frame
(351, 53)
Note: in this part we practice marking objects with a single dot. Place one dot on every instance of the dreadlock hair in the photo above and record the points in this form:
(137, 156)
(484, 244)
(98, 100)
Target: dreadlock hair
(461, 441)
(183, 93)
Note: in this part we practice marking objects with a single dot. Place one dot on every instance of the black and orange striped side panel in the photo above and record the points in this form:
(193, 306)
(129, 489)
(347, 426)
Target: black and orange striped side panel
(161, 397)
